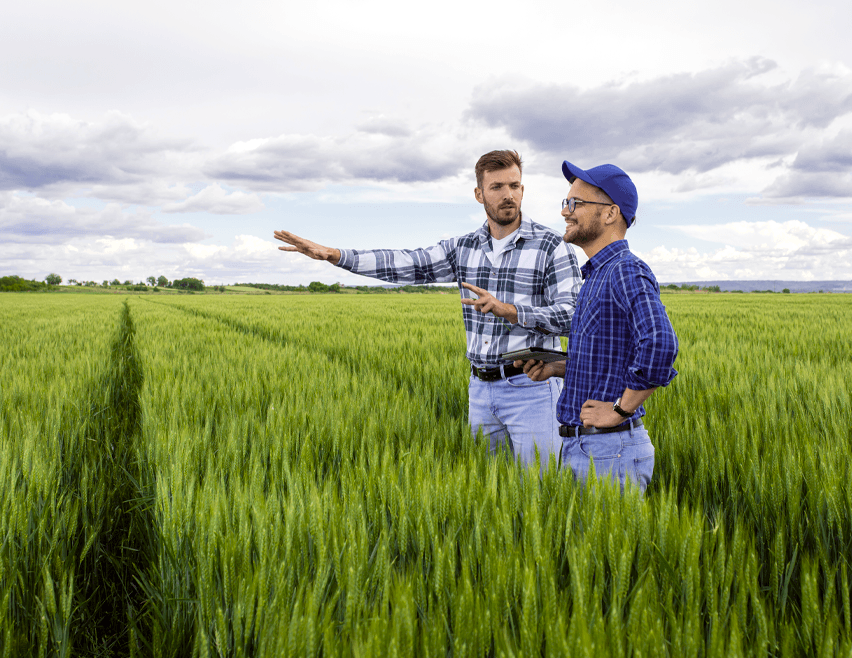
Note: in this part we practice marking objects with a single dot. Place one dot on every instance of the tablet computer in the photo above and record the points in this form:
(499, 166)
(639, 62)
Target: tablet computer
(536, 353)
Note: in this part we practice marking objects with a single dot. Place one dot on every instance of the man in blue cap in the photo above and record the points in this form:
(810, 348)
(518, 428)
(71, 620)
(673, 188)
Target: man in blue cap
(622, 345)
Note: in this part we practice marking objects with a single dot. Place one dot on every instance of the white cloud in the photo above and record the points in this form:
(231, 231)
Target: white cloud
(214, 199)
(787, 237)
(790, 250)
(33, 219)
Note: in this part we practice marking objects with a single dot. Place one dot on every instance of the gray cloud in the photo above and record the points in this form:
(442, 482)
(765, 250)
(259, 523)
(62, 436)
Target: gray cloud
(832, 154)
(821, 169)
(673, 124)
(39, 151)
(298, 162)
(382, 125)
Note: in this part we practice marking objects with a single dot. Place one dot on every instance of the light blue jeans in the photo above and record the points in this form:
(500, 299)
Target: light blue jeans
(519, 413)
(619, 455)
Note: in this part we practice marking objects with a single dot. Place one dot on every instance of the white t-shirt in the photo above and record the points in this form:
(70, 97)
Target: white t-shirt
(499, 246)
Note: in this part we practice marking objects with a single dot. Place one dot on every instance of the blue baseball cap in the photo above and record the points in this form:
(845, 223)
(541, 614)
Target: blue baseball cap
(611, 180)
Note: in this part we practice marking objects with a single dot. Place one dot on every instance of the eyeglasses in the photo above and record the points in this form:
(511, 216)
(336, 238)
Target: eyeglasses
(572, 203)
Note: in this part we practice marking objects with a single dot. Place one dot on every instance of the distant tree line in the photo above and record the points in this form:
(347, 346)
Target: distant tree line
(715, 288)
(15, 283)
(318, 286)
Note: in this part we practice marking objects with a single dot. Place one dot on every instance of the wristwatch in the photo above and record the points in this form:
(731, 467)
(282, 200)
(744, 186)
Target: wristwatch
(617, 409)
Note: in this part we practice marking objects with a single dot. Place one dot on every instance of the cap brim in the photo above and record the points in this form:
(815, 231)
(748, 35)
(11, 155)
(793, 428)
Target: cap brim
(571, 172)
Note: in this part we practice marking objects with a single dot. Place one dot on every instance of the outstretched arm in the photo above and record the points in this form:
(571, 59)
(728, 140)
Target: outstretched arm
(308, 248)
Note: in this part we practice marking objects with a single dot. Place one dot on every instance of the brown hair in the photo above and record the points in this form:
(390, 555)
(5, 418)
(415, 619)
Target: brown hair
(494, 161)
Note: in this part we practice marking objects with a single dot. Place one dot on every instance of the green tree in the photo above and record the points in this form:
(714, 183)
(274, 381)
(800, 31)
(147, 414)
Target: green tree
(316, 286)
(787, 290)
(189, 283)
(162, 281)
(152, 280)
(53, 279)
(115, 282)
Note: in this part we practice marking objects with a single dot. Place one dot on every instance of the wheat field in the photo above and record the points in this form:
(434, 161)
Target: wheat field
(294, 475)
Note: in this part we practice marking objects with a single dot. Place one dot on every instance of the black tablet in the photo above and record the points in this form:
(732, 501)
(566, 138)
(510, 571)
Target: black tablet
(535, 353)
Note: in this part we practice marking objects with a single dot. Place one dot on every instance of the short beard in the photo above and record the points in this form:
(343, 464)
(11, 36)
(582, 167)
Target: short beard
(500, 221)
(588, 234)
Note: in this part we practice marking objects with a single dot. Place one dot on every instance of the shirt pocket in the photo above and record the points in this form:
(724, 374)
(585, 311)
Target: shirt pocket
(590, 318)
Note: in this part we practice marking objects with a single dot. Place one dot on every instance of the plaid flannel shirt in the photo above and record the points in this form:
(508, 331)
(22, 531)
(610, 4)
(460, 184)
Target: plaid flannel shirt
(538, 273)
(621, 336)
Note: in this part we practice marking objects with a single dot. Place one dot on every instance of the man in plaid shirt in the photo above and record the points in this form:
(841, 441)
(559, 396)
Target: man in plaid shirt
(622, 344)
(525, 280)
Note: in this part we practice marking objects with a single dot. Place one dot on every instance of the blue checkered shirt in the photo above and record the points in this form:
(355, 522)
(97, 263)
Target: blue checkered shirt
(537, 272)
(621, 336)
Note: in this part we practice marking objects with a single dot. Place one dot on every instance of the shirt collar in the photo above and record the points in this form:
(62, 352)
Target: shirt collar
(525, 230)
(603, 256)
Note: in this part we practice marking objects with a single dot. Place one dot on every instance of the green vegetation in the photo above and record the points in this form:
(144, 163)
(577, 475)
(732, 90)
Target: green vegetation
(189, 283)
(17, 284)
(293, 475)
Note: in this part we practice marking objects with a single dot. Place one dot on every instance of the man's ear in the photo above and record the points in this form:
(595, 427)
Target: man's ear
(613, 214)
(478, 194)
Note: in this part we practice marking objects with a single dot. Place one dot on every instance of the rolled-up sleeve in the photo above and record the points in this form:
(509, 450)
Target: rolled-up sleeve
(562, 281)
(652, 334)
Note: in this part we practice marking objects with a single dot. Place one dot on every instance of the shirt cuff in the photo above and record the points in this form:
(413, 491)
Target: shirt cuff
(637, 382)
(526, 317)
(347, 259)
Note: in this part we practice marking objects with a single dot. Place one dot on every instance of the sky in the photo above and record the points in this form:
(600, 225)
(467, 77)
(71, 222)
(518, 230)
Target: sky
(172, 138)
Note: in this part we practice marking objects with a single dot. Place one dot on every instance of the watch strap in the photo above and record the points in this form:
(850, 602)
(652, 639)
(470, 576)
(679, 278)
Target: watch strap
(617, 409)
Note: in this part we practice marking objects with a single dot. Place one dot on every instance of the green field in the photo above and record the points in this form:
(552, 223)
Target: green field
(293, 475)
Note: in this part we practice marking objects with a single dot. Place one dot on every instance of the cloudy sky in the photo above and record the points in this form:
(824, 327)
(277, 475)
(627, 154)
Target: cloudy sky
(172, 138)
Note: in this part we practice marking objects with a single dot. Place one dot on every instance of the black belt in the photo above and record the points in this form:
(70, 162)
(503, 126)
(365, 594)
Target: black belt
(574, 430)
(493, 374)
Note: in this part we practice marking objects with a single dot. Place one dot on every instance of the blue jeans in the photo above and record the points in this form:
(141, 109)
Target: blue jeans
(517, 412)
(619, 455)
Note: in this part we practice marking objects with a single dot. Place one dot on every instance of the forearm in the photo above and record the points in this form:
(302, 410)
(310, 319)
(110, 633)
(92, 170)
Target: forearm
(538, 371)
(509, 313)
(631, 400)
(418, 266)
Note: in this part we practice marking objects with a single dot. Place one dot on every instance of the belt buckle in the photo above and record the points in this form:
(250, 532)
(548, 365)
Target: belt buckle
(486, 375)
